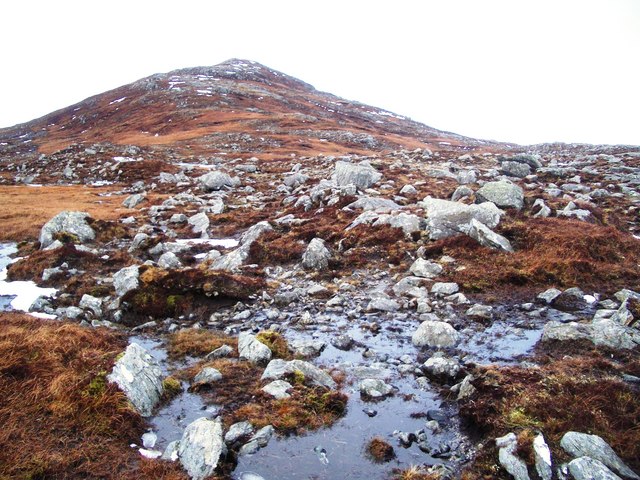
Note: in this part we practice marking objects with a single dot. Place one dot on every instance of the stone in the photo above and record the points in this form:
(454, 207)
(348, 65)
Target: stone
(444, 288)
(461, 192)
(237, 431)
(382, 303)
(253, 350)
(465, 388)
(368, 204)
(307, 348)
(548, 296)
(316, 256)
(217, 180)
(435, 334)
(543, 210)
(140, 242)
(482, 312)
(278, 368)
(441, 366)
(570, 300)
(362, 176)
(407, 222)
(139, 377)
(263, 436)
(295, 180)
(375, 388)
(91, 303)
(542, 455)
(586, 468)
(582, 444)
(342, 342)
(508, 459)
(220, 352)
(425, 268)
(515, 169)
(73, 223)
(169, 260)
(201, 447)
(233, 260)
(609, 333)
(409, 190)
(132, 201)
(125, 280)
(487, 237)
(278, 389)
(445, 218)
(171, 452)
(502, 193)
(533, 160)
(199, 223)
(566, 331)
(206, 376)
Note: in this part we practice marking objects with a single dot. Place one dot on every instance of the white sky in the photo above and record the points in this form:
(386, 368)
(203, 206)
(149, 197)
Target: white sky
(513, 70)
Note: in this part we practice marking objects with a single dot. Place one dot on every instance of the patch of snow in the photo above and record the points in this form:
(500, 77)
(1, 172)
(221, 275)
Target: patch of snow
(118, 100)
(101, 183)
(25, 293)
(124, 159)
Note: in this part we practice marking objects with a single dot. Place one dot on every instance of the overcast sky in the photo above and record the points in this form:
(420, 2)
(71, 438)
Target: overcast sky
(520, 71)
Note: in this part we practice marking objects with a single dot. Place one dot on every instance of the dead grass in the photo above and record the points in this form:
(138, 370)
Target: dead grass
(379, 450)
(580, 393)
(60, 419)
(549, 252)
(26, 209)
(198, 342)
(414, 473)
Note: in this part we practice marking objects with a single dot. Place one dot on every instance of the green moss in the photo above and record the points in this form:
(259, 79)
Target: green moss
(66, 237)
(518, 417)
(171, 387)
(119, 356)
(96, 386)
(276, 343)
(173, 301)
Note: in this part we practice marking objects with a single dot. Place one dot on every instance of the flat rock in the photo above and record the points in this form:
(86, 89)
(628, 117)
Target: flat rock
(445, 218)
(278, 368)
(362, 176)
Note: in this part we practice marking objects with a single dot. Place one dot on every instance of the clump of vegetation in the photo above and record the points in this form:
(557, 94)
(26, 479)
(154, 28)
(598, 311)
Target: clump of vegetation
(548, 252)
(276, 343)
(32, 266)
(379, 450)
(414, 473)
(53, 388)
(580, 393)
(197, 342)
(171, 387)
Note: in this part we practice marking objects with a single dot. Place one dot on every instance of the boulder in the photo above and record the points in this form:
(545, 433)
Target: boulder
(139, 377)
(441, 366)
(199, 223)
(542, 455)
(566, 331)
(126, 279)
(516, 467)
(132, 201)
(91, 303)
(237, 431)
(169, 260)
(362, 176)
(316, 256)
(503, 194)
(515, 169)
(374, 388)
(373, 203)
(586, 468)
(609, 333)
(73, 223)
(206, 376)
(217, 181)
(253, 350)
(276, 369)
(582, 444)
(382, 303)
(278, 389)
(425, 268)
(444, 288)
(487, 237)
(435, 334)
(445, 218)
(201, 447)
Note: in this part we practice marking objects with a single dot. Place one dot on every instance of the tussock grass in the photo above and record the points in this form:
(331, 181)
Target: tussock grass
(198, 342)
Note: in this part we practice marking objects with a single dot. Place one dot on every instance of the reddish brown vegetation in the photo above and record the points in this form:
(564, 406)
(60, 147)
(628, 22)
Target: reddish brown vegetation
(60, 419)
(579, 392)
(549, 252)
(197, 342)
(26, 209)
(379, 450)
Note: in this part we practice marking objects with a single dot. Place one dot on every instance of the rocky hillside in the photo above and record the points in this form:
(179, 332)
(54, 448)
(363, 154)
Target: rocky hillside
(310, 287)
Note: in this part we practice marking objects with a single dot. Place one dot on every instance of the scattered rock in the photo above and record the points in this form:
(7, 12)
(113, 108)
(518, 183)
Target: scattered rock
(238, 431)
(425, 268)
(503, 194)
(276, 369)
(382, 303)
(506, 455)
(362, 176)
(139, 377)
(252, 349)
(217, 180)
(169, 260)
(444, 288)
(126, 279)
(316, 256)
(445, 218)
(542, 455)
(205, 377)
(375, 388)
(441, 366)
(201, 447)
(435, 334)
(72, 223)
(132, 201)
(486, 237)
(586, 468)
(278, 389)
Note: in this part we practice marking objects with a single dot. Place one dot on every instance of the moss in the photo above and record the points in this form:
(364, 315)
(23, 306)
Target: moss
(171, 388)
(67, 238)
(276, 343)
(97, 385)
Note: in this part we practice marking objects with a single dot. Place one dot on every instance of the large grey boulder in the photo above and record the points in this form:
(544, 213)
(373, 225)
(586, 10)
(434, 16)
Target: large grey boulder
(503, 193)
(566, 331)
(586, 468)
(585, 445)
(316, 256)
(433, 333)
(487, 237)
(362, 176)
(445, 218)
(276, 369)
(609, 333)
(139, 377)
(217, 181)
(201, 447)
(508, 459)
(74, 223)
(375, 388)
(515, 169)
(252, 349)
(126, 279)
(199, 223)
